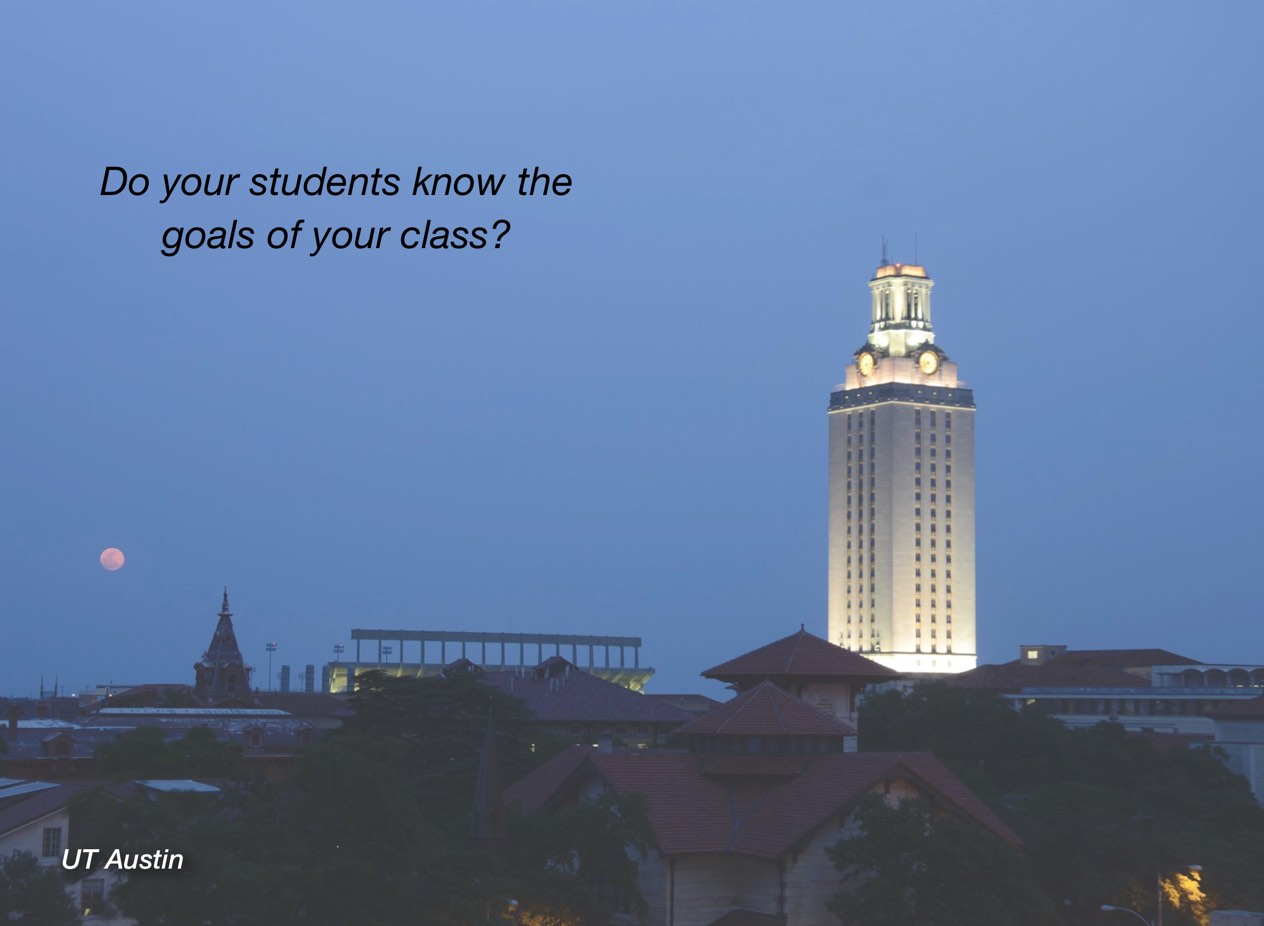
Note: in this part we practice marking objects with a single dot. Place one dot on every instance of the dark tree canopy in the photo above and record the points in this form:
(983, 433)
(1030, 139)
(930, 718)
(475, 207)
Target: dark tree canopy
(1101, 812)
(373, 828)
(909, 866)
(33, 894)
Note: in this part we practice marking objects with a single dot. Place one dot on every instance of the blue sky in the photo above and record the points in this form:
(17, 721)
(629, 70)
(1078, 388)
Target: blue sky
(615, 423)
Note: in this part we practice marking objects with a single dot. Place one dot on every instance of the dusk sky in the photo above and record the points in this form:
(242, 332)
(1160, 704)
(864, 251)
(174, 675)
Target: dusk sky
(616, 423)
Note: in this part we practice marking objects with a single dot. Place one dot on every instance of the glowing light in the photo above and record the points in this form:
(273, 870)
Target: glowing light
(112, 559)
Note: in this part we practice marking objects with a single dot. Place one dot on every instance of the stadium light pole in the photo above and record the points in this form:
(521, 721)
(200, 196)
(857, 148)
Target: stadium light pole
(271, 648)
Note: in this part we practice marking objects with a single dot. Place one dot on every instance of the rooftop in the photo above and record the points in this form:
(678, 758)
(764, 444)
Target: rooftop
(766, 710)
(801, 655)
(692, 812)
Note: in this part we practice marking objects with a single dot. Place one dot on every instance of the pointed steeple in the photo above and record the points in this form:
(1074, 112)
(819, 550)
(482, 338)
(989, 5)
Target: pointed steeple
(222, 674)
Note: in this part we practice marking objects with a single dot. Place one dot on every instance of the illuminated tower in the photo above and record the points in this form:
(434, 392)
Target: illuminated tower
(901, 508)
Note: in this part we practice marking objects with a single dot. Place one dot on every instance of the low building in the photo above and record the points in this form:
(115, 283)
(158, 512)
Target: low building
(741, 820)
(1145, 690)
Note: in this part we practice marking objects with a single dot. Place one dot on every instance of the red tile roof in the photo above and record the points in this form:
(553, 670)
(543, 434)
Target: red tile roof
(1011, 676)
(579, 697)
(694, 813)
(766, 710)
(801, 655)
(1127, 658)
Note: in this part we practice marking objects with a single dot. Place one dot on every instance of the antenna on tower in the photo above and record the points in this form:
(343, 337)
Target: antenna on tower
(884, 252)
(915, 258)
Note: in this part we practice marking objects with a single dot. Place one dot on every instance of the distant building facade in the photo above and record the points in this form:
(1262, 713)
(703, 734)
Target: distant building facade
(901, 490)
(1144, 690)
(425, 653)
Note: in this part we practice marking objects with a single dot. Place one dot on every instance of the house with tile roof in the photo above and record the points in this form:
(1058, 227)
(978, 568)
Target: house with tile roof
(810, 668)
(742, 820)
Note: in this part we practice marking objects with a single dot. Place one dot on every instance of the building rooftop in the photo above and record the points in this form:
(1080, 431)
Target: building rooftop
(558, 692)
(1012, 676)
(803, 656)
(766, 710)
(900, 270)
(692, 812)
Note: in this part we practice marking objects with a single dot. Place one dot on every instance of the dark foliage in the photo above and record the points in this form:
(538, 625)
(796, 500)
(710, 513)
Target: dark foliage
(33, 894)
(1102, 813)
(145, 753)
(373, 828)
(909, 866)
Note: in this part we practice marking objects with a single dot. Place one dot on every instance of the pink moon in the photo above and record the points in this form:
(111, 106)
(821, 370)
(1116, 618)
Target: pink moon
(112, 559)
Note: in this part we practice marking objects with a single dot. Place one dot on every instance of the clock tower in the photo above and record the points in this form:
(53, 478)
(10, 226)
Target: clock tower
(901, 490)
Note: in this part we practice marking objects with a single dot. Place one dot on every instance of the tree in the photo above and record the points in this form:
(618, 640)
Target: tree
(907, 865)
(1101, 812)
(576, 864)
(33, 894)
(145, 753)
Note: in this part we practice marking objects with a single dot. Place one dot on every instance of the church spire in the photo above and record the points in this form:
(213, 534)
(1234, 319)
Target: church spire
(222, 675)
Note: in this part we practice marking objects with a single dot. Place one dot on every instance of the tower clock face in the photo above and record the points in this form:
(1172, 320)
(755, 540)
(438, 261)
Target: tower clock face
(928, 362)
(865, 364)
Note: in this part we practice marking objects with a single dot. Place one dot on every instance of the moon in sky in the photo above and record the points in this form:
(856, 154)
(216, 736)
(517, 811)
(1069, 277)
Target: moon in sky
(112, 559)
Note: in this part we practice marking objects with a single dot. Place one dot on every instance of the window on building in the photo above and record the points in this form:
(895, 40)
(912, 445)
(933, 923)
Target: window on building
(52, 842)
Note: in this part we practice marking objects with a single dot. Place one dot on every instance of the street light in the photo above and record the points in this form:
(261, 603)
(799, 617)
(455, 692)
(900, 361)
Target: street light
(1107, 908)
(271, 648)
